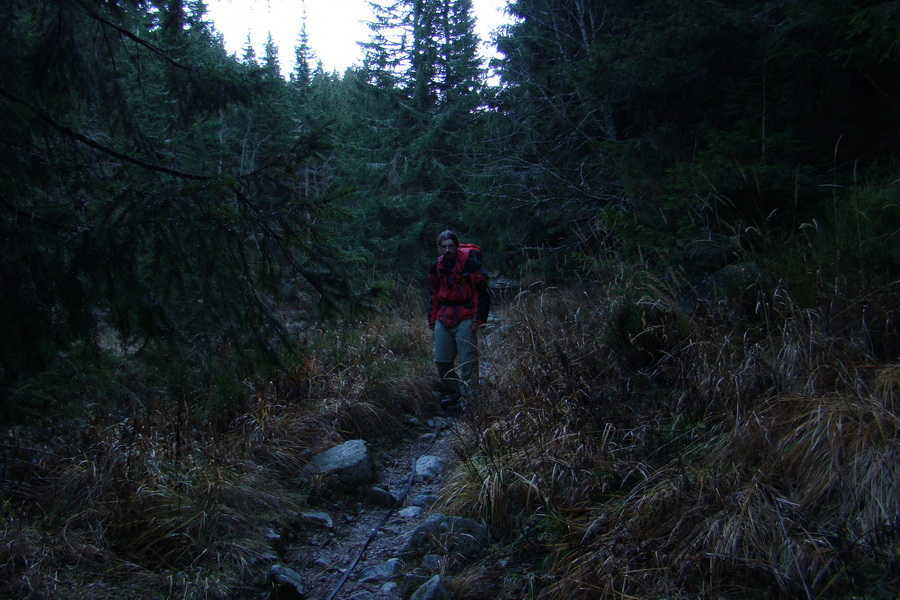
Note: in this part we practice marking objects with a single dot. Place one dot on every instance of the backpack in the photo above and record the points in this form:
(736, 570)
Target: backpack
(457, 293)
(466, 249)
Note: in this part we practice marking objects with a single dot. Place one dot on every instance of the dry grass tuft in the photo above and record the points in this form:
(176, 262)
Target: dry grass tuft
(154, 495)
(624, 449)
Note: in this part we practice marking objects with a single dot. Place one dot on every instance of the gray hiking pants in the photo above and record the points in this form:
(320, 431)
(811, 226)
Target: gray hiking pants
(452, 343)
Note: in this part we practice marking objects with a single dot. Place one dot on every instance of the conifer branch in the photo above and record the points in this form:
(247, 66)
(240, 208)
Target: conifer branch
(18, 212)
(137, 39)
(91, 143)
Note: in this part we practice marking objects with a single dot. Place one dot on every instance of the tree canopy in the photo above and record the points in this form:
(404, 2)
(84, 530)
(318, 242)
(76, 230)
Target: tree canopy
(153, 183)
(149, 182)
(210, 270)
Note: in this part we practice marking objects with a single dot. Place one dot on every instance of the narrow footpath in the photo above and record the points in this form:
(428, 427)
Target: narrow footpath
(357, 546)
(348, 534)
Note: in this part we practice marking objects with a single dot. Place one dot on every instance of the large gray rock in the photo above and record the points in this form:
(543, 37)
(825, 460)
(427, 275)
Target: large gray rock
(447, 535)
(433, 589)
(349, 463)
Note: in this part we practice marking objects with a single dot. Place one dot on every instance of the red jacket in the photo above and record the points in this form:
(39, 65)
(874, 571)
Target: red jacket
(458, 294)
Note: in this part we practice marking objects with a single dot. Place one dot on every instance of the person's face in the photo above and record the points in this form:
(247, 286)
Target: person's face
(447, 249)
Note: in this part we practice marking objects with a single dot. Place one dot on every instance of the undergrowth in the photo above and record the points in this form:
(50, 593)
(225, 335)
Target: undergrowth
(627, 447)
(630, 441)
(158, 478)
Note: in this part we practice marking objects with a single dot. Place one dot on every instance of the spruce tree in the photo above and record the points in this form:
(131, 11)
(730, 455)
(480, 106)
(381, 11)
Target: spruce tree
(668, 126)
(271, 64)
(304, 57)
(422, 82)
(135, 193)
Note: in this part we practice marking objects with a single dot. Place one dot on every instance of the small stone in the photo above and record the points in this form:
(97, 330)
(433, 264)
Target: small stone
(455, 535)
(430, 467)
(319, 519)
(425, 500)
(389, 588)
(433, 563)
(349, 462)
(382, 572)
(433, 589)
(288, 583)
(411, 582)
(263, 559)
(379, 496)
(410, 512)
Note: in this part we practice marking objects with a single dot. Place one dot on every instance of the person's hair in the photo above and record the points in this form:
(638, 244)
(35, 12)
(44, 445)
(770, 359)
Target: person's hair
(448, 234)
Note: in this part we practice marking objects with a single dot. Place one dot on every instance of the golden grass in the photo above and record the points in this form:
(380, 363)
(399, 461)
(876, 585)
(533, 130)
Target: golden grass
(631, 453)
(619, 450)
(165, 502)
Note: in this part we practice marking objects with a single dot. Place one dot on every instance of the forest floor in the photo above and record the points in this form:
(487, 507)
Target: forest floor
(323, 554)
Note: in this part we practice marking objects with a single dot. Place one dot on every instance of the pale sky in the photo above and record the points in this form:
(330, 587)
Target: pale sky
(334, 27)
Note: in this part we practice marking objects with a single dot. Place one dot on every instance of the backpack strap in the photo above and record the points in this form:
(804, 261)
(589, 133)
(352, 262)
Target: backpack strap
(461, 258)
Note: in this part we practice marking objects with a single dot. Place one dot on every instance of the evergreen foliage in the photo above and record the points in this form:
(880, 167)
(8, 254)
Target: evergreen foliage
(145, 171)
(674, 121)
(149, 183)
(172, 219)
(418, 96)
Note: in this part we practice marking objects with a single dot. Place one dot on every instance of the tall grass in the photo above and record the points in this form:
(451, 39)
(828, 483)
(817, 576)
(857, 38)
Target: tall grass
(159, 495)
(628, 449)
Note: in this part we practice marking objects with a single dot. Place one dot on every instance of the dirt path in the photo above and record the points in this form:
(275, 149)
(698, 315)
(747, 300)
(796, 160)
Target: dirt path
(323, 553)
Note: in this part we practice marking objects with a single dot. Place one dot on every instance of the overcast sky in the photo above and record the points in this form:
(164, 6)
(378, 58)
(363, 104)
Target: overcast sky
(334, 26)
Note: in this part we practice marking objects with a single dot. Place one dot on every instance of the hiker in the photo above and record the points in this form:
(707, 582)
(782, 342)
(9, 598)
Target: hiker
(459, 308)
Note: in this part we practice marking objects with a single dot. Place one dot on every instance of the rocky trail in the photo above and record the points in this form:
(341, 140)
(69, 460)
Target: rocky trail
(384, 541)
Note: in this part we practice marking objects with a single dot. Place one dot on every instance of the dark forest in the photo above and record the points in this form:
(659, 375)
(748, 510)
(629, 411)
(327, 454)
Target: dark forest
(690, 212)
